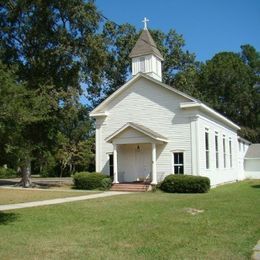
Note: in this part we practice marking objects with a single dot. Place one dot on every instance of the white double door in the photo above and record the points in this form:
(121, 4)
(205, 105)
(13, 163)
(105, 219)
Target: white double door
(135, 162)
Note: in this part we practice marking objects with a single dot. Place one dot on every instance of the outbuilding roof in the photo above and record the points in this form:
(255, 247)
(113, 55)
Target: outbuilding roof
(145, 45)
(253, 152)
(143, 129)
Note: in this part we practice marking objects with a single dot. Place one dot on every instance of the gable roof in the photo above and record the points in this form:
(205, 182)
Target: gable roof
(145, 45)
(191, 103)
(96, 111)
(253, 152)
(140, 128)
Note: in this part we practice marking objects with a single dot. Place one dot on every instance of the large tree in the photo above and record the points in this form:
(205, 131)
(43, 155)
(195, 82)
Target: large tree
(21, 110)
(52, 41)
(55, 46)
(229, 85)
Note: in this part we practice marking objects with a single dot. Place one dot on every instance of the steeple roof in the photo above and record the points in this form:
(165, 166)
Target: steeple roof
(145, 45)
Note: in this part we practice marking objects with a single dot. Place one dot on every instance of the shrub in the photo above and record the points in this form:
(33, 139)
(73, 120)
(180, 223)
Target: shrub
(185, 184)
(87, 180)
(7, 172)
(106, 184)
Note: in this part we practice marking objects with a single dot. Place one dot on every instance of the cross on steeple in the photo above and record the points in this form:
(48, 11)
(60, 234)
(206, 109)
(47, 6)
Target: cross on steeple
(145, 20)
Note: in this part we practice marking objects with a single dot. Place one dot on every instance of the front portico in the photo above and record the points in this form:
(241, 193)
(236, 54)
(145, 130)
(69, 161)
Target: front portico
(134, 153)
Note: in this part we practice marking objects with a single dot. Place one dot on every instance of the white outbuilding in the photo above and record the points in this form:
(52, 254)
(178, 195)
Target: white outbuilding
(252, 162)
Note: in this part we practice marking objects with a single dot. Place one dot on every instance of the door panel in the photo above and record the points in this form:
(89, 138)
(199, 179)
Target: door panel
(143, 161)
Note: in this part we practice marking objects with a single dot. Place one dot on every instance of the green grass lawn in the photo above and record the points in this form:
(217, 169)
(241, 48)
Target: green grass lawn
(138, 226)
(10, 196)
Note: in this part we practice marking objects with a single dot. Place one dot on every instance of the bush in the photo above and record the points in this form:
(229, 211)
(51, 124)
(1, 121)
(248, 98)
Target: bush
(87, 180)
(185, 184)
(7, 172)
(106, 184)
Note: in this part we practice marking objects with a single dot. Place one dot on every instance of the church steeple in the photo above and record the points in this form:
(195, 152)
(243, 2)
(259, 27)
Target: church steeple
(145, 56)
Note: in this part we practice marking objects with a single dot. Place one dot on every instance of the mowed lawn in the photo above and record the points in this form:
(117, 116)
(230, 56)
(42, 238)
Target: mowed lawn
(138, 226)
(10, 196)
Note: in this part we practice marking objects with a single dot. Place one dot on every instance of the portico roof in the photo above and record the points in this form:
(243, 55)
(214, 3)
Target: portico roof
(140, 128)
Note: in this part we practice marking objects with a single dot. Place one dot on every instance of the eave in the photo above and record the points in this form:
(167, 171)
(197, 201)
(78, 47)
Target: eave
(212, 112)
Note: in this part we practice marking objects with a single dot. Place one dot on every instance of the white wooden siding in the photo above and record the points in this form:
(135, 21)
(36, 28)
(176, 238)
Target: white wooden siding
(221, 174)
(157, 108)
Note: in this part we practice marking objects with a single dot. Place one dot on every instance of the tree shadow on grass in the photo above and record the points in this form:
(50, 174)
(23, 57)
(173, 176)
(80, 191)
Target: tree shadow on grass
(7, 218)
(256, 186)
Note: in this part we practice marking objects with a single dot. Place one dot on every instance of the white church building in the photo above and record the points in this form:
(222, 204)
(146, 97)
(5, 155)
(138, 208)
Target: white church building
(147, 130)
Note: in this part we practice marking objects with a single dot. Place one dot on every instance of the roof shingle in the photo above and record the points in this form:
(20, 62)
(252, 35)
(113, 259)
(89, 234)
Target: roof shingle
(145, 45)
(253, 151)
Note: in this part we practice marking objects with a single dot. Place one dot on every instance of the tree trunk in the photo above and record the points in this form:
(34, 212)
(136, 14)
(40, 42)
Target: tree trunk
(26, 175)
(61, 171)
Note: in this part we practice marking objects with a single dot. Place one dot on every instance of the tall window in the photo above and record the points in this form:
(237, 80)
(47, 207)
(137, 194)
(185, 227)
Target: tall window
(217, 150)
(207, 148)
(142, 64)
(239, 143)
(178, 163)
(230, 153)
(224, 152)
(111, 164)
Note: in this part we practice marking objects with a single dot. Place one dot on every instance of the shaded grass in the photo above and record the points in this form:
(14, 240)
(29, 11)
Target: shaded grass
(6, 218)
(140, 226)
(11, 196)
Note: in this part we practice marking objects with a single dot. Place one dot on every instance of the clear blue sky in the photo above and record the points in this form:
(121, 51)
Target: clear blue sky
(208, 26)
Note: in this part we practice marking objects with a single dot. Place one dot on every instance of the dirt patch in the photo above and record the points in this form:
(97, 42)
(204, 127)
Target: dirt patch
(193, 211)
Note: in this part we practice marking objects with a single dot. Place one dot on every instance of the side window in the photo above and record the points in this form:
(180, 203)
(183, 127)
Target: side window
(224, 152)
(178, 163)
(217, 150)
(230, 154)
(111, 164)
(207, 148)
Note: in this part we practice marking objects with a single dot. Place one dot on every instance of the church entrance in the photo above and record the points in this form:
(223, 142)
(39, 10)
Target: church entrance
(135, 162)
(143, 162)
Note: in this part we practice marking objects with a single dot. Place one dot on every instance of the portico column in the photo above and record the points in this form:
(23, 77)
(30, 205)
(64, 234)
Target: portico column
(154, 171)
(115, 164)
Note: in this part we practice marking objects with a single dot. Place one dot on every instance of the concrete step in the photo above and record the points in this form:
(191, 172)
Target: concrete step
(139, 187)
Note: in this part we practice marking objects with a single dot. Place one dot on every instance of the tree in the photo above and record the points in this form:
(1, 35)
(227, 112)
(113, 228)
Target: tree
(55, 46)
(54, 38)
(251, 57)
(20, 110)
(75, 141)
(228, 85)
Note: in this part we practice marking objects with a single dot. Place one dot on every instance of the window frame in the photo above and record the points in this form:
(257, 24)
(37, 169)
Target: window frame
(224, 152)
(230, 153)
(217, 149)
(110, 165)
(178, 164)
(207, 148)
